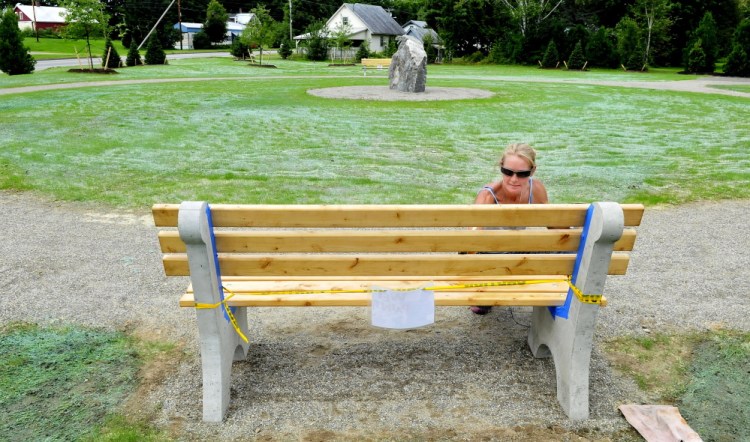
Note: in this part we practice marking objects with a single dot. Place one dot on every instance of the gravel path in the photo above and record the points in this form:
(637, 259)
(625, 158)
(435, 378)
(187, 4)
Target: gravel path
(321, 374)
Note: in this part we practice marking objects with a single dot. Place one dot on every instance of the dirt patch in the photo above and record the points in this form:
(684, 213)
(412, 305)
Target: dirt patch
(384, 93)
(93, 71)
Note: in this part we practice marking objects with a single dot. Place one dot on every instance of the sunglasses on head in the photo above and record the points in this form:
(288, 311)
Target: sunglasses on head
(518, 173)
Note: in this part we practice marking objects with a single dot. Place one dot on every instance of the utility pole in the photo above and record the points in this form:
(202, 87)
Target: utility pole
(179, 20)
(290, 22)
(155, 25)
(36, 25)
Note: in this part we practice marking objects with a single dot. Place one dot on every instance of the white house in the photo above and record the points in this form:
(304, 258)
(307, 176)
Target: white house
(367, 23)
(40, 17)
(189, 29)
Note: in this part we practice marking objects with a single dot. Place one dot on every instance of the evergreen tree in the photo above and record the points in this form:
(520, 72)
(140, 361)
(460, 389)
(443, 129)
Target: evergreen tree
(738, 61)
(629, 47)
(215, 25)
(704, 37)
(317, 44)
(154, 52)
(576, 59)
(551, 56)
(114, 58)
(285, 48)
(697, 60)
(134, 57)
(14, 57)
(601, 49)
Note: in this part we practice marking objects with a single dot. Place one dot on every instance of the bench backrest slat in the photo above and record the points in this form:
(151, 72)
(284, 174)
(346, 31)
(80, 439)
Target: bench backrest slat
(392, 264)
(337, 240)
(483, 215)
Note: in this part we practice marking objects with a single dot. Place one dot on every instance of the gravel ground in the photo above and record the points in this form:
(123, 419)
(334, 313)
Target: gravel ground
(320, 374)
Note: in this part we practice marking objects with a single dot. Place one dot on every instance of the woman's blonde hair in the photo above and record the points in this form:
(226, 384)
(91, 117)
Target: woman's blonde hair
(522, 150)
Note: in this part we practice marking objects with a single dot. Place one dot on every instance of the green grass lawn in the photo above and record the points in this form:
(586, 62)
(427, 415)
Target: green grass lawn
(242, 136)
(50, 48)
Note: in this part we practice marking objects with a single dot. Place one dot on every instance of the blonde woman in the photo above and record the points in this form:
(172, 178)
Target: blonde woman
(517, 186)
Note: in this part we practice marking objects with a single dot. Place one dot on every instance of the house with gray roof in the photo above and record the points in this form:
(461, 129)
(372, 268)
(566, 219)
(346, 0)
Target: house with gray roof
(419, 30)
(365, 23)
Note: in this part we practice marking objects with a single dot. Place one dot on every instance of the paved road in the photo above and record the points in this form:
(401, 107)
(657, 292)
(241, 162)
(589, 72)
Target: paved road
(61, 62)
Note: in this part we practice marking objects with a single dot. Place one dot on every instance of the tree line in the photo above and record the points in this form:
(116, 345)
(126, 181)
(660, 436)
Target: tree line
(634, 34)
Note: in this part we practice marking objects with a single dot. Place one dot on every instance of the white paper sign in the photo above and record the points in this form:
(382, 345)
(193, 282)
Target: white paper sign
(402, 310)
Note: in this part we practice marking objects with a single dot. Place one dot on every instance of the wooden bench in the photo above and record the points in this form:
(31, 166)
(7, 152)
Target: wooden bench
(331, 255)
(377, 63)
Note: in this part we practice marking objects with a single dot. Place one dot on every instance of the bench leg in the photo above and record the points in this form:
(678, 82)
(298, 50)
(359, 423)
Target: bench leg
(220, 344)
(566, 333)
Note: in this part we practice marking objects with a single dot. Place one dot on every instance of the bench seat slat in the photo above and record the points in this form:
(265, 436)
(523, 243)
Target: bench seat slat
(364, 299)
(474, 215)
(392, 264)
(324, 241)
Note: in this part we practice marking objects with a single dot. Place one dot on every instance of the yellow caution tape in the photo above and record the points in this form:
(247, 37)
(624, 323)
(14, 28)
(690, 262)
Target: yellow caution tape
(586, 299)
(228, 310)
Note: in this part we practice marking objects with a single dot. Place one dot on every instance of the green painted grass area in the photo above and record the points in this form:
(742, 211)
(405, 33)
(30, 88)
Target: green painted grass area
(265, 140)
(58, 384)
(72, 383)
(734, 87)
(704, 374)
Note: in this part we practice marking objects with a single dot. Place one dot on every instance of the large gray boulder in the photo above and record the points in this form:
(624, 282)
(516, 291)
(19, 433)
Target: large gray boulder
(408, 72)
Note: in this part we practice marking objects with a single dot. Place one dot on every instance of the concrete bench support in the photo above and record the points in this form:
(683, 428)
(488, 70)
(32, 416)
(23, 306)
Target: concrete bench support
(566, 332)
(220, 344)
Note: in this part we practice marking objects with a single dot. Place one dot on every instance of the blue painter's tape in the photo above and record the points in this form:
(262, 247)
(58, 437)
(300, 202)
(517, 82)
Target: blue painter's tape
(216, 261)
(563, 310)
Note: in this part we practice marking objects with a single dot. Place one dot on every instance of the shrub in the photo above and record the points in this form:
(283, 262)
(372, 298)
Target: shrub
(362, 52)
(391, 48)
(576, 59)
(240, 49)
(429, 48)
(697, 60)
(201, 40)
(738, 62)
(476, 57)
(134, 57)
(14, 57)
(551, 57)
(114, 57)
(154, 53)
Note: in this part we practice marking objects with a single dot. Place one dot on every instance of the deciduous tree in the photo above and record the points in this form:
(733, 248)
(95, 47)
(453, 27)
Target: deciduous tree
(86, 19)
(261, 31)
